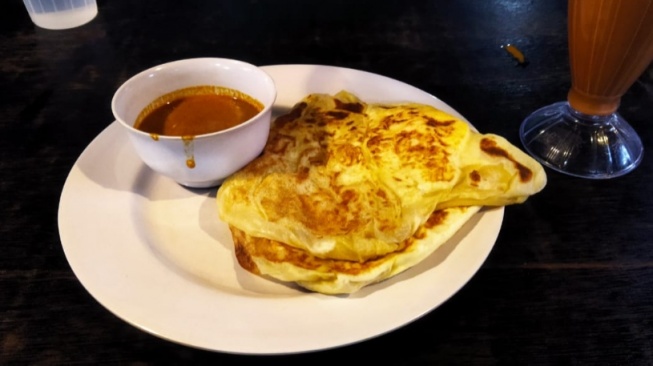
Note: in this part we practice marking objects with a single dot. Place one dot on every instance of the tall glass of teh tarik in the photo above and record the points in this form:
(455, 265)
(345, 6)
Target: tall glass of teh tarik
(610, 46)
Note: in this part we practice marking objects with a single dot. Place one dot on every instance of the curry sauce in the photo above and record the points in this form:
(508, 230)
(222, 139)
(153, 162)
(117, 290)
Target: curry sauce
(197, 110)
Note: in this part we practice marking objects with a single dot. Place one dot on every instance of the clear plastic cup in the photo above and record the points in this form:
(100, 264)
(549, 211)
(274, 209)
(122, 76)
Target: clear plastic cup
(61, 14)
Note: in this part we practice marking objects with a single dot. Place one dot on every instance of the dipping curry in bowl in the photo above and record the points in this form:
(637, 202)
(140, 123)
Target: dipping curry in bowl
(197, 110)
(197, 121)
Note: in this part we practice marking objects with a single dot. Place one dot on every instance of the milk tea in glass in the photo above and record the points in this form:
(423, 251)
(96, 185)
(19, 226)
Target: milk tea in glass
(610, 46)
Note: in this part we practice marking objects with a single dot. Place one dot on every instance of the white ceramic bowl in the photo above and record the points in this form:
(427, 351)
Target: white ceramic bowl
(216, 155)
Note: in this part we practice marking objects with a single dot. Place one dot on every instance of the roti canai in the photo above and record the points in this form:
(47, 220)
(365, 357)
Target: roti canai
(334, 276)
(343, 179)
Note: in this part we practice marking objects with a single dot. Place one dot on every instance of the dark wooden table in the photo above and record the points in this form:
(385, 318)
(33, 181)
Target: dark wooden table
(569, 281)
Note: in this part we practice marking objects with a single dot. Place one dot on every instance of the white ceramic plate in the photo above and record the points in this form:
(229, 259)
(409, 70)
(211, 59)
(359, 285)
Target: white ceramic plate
(156, 255)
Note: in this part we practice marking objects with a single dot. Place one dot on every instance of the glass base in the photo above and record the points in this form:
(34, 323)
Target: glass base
(594, 147)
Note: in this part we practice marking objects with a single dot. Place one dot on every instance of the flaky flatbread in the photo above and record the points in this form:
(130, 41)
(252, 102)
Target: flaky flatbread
(332, 276)
(343, 179)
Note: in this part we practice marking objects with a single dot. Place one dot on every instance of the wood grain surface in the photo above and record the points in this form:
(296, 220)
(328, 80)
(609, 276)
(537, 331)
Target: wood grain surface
(569, 281)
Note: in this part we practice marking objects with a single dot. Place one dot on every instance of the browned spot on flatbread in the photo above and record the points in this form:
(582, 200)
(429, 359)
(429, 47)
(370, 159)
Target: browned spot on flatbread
(475, 176)
(432, 122)
(242, 254)
(295, 113)
(490, 147)
(330, 220)
(337, 114)
(351, 107)
(374, 141)
(279, 143)
(436, 218)
(349, 154)
(302, 174)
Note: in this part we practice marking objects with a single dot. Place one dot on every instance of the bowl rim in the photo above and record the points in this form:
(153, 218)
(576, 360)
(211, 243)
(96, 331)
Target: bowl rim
(266, 108)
